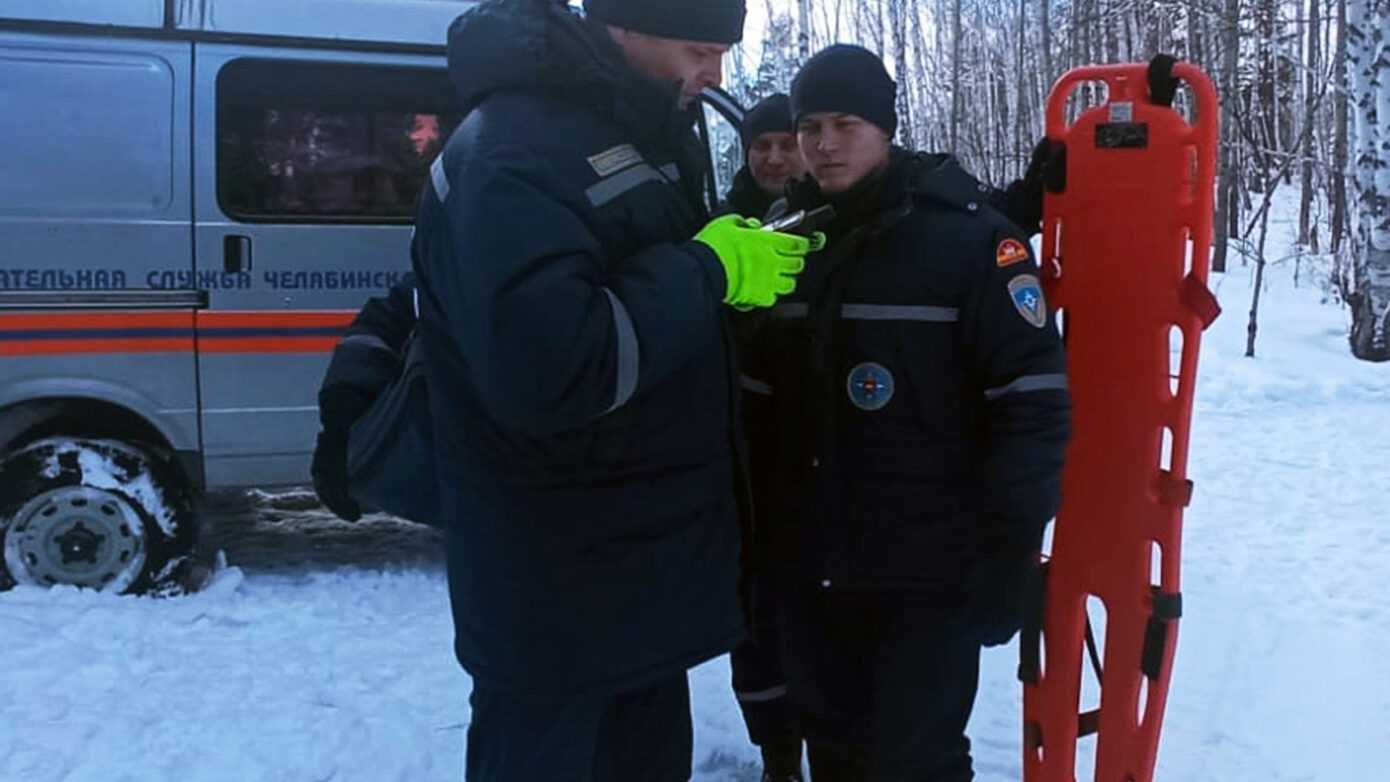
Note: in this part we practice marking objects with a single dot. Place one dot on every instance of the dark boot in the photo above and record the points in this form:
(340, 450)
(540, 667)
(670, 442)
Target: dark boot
(782, 762)
(838, 762)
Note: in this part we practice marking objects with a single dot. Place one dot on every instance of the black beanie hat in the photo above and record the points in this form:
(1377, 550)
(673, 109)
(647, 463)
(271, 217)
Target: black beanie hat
(709, 21)
(846, 79)
(772, 114)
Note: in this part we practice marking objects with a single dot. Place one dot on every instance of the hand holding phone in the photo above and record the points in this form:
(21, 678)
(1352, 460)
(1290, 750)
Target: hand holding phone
(803, 222)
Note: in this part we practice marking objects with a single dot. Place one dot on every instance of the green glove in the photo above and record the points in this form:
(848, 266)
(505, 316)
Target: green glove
(759, 265)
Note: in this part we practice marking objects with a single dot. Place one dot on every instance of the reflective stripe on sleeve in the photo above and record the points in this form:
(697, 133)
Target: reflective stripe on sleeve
(928, 314)
(791, 310)
(608, 190)
(439, 179)
(1027, 384)
(629, 358)
(762, 696)
(368, 341)
(754, 386)
(908, 312)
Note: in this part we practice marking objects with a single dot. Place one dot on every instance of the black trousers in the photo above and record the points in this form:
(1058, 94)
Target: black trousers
(760, 684)
(884, 682)
(761, 690)
(644, 735)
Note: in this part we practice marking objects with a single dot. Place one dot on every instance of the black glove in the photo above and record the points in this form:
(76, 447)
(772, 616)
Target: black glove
(1162, 85)
(331, 475)
(1047, 169)
(339, 408)
(996, 587)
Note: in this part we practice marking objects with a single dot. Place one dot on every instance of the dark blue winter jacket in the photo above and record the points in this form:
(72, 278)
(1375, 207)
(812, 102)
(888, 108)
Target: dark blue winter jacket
(920, 392)
(579, 371)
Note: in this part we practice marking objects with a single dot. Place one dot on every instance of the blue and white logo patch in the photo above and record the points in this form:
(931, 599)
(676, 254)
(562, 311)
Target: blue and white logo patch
(870, 386)
(1026, 293)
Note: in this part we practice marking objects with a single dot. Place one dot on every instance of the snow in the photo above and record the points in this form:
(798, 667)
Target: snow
(102, 472)
(324, 650)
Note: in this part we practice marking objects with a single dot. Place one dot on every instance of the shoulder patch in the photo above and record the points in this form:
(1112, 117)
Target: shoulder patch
(1010, 252)
(1025, 291)
(614, 160)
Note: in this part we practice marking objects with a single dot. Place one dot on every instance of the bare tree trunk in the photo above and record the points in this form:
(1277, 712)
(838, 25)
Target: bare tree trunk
(957, 99)
(1132, 32)
(1226, 194)
(1020, 110)
(896, 22)
(1309, 117)
(1252, 330)
(1266, 88)
(879, 35)
(803, 35)
(926, 131)
(1049, 75)
(1196, 32)
(1112, 41)
(1074, 36)
(1340, 124)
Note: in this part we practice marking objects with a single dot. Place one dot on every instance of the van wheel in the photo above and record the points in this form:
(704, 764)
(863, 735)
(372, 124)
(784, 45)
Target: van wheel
(97, 514)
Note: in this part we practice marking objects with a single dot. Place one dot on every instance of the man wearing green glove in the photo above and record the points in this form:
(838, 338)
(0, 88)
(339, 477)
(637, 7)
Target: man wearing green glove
(760, 266)
(581, 380)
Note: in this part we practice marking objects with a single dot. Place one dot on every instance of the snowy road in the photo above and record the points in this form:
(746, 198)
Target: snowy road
(324, 652)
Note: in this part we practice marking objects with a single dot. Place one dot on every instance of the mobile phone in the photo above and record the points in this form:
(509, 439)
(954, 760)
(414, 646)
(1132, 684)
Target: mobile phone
(802, 221)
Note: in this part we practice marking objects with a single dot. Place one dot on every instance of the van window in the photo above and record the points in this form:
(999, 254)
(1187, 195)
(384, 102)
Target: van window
(86, 133)
(324, 142)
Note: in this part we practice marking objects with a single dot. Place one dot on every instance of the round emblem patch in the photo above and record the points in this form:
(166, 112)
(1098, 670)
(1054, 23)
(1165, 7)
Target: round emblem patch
(870, 386)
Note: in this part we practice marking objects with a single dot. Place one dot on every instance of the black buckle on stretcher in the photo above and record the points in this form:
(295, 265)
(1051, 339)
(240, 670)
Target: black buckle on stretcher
(1167, 609)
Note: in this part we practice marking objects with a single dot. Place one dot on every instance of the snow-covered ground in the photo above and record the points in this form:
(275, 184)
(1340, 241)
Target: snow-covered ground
(323, 652)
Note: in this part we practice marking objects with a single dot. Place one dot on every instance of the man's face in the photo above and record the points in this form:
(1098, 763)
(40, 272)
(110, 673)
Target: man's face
(774, 159)
(841, 149)
(695, 64)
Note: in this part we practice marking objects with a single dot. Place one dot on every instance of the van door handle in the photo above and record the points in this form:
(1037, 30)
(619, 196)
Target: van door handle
(236, 254)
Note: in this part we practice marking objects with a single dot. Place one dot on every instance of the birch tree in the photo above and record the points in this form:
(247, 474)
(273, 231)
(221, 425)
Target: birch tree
(1368, 79)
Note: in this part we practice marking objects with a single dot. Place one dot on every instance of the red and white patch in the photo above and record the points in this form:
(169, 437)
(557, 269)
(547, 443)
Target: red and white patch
(1010, 252)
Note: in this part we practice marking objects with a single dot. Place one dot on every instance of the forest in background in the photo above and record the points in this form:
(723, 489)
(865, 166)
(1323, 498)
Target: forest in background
(1305, 88)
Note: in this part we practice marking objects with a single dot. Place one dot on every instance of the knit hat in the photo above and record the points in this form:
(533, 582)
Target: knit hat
(772, 114)
(846, 79)
(709, 21)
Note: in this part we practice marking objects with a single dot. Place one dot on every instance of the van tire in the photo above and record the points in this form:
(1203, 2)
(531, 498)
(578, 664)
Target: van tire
(97, 514)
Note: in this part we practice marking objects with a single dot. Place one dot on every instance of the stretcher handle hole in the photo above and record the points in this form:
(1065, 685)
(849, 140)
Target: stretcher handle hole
(1165, 449)
(1176, 340)
(1033, 738)
(1155, 564)
(1188, 247)
(1091, 683)
(1142, 704)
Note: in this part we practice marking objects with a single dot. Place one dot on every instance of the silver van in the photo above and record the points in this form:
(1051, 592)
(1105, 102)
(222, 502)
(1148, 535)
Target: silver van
(196, 196)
